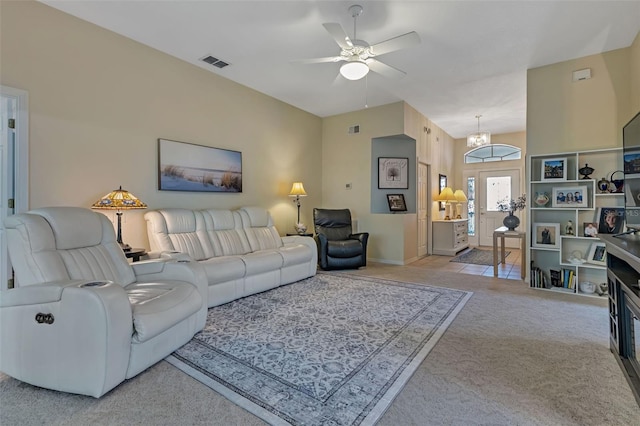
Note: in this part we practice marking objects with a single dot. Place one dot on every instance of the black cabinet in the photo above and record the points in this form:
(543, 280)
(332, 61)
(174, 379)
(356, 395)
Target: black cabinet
(623, 277)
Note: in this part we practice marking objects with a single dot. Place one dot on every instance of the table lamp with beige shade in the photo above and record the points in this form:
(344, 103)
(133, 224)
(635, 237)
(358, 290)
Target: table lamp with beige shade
(448, 197)
(460, 198)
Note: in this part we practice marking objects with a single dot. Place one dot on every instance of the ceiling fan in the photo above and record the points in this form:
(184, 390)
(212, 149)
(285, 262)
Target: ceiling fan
(359, 56)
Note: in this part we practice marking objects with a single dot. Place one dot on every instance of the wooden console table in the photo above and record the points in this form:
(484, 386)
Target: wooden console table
(502, 233)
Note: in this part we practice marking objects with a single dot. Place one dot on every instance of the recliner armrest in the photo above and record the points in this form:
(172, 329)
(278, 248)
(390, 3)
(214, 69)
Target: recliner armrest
(44, 293)
(362, 236)
(176, 270)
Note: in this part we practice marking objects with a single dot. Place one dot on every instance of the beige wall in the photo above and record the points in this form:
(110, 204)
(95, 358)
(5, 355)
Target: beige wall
(635, 74)
(345, 158)
(563, 115)
(99, 102)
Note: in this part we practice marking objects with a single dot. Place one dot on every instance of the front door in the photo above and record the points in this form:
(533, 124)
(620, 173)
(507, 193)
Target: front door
(494, 187)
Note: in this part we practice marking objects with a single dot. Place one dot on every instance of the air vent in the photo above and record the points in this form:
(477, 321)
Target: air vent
(354, 129)
(214, 61)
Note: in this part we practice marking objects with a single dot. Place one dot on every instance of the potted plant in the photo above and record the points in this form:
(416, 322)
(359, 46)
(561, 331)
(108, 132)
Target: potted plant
(510, 205)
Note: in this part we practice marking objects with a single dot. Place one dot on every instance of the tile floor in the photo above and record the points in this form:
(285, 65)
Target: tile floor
(510, 270)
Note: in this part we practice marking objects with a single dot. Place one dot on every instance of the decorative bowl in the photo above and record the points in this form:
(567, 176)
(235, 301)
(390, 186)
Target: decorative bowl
(587, 287)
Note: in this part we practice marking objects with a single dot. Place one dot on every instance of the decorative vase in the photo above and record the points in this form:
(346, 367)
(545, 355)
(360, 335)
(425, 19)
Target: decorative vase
(618, 184)
(603, 185)
(541, 199)
(511, 221)
(301, 228)
(586, 171)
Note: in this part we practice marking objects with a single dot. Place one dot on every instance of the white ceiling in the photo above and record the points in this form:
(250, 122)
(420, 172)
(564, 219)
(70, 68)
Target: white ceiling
(472, 59)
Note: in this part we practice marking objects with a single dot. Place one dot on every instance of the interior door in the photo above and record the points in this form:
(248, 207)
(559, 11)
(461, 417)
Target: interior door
(423, 209)
(7, 196)
(495, 186)
(14, 167)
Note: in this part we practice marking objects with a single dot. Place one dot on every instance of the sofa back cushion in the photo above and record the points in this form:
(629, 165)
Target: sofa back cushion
(259, 228)
(225, 233)
(180, 230)
(62, 243)
(335, 224)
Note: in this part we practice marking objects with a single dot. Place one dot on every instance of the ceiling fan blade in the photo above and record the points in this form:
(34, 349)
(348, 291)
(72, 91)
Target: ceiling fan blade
(319, 60)
(384, 69)
(401, 42)
(338, 34)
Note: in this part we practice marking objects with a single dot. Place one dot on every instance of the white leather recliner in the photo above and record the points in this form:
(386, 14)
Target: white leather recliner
(81, 319)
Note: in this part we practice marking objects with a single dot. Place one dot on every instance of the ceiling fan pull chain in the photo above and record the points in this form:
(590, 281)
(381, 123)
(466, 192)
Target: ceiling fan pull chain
(366, 91)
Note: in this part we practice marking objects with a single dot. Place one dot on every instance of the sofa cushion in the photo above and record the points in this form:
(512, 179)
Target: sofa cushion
(224, 268)
(260, 230)
(262, 261)
(225, 233)
(157, 307)
(295, 254)
(178, 230)
(344, 248)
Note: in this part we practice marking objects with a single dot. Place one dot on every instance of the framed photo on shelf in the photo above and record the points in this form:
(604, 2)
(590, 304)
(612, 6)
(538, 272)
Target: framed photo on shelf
(393, 173)
(631, 163)
(610, 220)
(396, 202)
(597, 254)
(546, 235)
(574, 197)
(590, 229)
(554, 169)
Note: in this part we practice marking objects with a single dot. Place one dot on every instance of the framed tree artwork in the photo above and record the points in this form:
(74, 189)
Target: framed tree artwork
(393, 173)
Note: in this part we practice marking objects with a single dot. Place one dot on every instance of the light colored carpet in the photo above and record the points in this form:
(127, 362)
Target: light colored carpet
(512, 356)
(478, 257)
(331, 349)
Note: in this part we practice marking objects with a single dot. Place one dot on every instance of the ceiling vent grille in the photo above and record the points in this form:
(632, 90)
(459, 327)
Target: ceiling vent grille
(214, 61)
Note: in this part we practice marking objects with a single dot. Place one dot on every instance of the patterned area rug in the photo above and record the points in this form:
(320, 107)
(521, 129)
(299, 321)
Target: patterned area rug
(478, 257)
(329, 350)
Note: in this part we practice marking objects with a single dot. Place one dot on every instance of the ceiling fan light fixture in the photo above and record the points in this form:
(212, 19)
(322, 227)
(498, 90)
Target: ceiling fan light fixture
(479, 138)
(354, 70)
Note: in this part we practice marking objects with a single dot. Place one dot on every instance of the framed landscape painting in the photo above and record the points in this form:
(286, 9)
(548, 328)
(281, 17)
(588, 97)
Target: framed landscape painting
(189, 167)
(554, 169)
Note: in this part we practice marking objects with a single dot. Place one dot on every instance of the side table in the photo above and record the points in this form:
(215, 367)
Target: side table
(299, 235)
(503, 232)
(135, 253)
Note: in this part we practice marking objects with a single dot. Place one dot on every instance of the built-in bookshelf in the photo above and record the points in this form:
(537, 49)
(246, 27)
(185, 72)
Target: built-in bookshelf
(560, 242)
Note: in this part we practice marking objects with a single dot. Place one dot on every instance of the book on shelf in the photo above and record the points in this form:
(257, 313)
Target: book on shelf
(556, 278)
(538, 278)
(568, 278)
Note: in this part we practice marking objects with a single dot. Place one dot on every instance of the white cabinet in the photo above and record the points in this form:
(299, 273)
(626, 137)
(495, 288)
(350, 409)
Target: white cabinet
(566, 253)
(450, 236)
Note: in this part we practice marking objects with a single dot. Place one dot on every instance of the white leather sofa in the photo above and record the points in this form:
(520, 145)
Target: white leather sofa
(81, 318)
(240, 250)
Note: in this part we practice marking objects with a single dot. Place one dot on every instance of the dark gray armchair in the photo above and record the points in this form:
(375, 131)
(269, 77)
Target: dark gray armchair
(338, 247)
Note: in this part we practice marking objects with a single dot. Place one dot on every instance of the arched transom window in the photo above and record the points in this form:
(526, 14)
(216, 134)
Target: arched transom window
(492, 152)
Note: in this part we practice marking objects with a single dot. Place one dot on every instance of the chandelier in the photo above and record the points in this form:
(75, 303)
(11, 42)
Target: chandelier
(479, 138)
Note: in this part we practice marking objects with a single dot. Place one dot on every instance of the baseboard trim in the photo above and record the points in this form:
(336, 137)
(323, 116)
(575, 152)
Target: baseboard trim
(393, 262)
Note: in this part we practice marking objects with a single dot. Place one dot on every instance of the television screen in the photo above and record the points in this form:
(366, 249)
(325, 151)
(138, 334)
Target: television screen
(631, 153)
